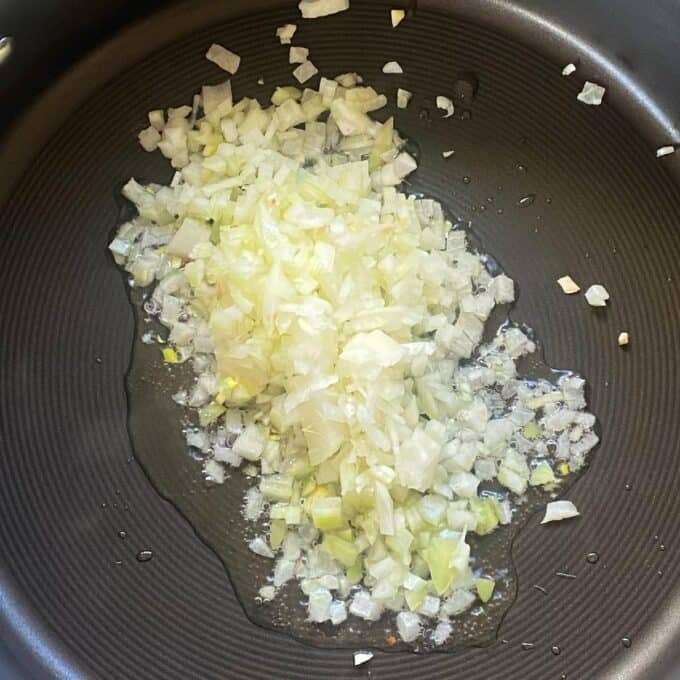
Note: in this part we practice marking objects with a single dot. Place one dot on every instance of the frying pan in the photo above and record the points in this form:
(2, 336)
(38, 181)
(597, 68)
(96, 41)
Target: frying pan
(74, 602)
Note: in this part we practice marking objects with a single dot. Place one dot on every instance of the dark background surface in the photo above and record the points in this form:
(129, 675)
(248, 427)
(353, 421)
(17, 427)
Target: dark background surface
(51, 35)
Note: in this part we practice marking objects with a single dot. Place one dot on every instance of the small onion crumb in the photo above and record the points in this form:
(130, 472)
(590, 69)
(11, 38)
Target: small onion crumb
(559, 510)
(298, 55)
(285, 33)
(313, 9)
(448, 154)
(568, 69)
(568, 285)
(445, 104)
(393, 67)
(665, 151)
(403, 98)
(305, 71)
(224, 58)
(591, 94)
(624, 339)
(361, 658)
(397, 16)
(597, 296)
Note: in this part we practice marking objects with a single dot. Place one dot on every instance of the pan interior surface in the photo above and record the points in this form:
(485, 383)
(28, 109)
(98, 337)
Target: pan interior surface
(604, 211)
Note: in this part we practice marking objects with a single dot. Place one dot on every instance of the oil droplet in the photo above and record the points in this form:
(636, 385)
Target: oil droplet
(104, 506)
(526, 201)
(425, 115)
(489, 199)
(482, 207)
(466, 114)
(626, 642)
(656, 538)
(465, 88)
(540, 589)
(122, 535)
(117, 492)
(118, 563)
(660, 572)
(592, 557)
(563, 676)
(98, 360)
(500, 211)
(555, 650)
(504, 641)
(526, 646)
(467, 180)
(662, 547)
(548, 200)
(144, 555)
(628, 487)
(520, 168)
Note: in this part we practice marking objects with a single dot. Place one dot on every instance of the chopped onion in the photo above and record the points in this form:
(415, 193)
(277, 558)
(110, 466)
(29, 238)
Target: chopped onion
(285, 33)
(591, 94)
(149, 138)
(448, 154)
(568, 285)
(623, 339)
(403, 98)
(393, 67)
(445, 104)
(224, 58)
(361, 658)
(569, 69)
(665, 151)
(259, 547)
(409, 626)
(305, 71)
(298, 55)
(559, 510)
(313, 9)
(397, 16)
(597, 296)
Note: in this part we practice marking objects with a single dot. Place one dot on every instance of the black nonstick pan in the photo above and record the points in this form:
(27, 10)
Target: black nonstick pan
(74, 600)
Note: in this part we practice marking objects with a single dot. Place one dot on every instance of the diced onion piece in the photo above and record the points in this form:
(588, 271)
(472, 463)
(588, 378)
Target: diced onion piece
(305, 71)
(313, 9)
(224, 58)
(397, 16)
(259, 546)
(442, 633)
(157, 119)
(591, 94)
(298, 55)
(623, 339)
(445, 104)
(569, 69)
(485, 588)
(149, 138)
(361, 658)
(559, 510)
(409, 625)
(285, 33)
(403, 98)
(597, 296)
(217, 99)
(568, 285)
(665, 151)
(349, 79)
(392, 67)
(448, 154)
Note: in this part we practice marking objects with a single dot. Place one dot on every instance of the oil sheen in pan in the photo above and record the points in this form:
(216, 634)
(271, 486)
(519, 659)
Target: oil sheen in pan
(156, 426)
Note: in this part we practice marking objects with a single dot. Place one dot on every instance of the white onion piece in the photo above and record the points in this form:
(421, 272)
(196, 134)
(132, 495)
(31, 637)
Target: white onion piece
(397, 16)
(623, 339)
(448, 154)
(285, 33)
(393, 67)
(569, 69)
(313, 9)
(224, 58)
(298, 55)
(597, 296)
(665, 151)
(591, 94)
(568, 285)
(559, 510)
(409, 626)
(445, 104)
(305, 71)
(361, 658)
(149, 138)
(403, 98)
(260, 547)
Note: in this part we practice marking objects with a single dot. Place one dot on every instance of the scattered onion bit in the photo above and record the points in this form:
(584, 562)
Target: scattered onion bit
(568, 285)
(591, 94)
(298, 55)
(623, 339)
(170, 355)
(403, 98)
(559, 510)
(224, 58)
(568, 69)
(305, 71)
(445, 104)
(361, 658)
(397, 16)
(448, 154)
(285, 33)
(393, 67)
(665, 151)
(313, 9)
(597, 296)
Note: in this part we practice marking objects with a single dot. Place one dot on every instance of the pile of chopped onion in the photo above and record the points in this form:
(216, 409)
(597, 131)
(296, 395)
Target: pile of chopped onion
(334, 324)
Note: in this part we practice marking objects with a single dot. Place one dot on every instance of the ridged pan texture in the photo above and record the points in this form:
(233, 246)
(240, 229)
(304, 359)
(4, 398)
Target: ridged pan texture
(605, 211)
